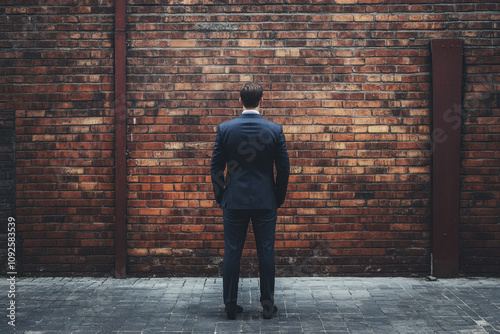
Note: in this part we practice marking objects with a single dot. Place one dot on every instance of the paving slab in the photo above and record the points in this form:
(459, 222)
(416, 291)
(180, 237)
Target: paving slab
(306, 305)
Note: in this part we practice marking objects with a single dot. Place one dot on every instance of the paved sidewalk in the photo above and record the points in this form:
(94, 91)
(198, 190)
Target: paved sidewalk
(306, 305)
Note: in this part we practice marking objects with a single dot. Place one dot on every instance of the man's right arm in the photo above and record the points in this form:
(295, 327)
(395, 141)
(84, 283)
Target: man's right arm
(217, 166)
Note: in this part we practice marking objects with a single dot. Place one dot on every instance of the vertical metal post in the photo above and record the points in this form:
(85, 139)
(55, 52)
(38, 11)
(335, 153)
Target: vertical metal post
(120, 141)
(447, 120)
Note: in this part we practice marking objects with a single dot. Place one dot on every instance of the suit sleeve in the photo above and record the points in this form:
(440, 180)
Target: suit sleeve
(282, 163)
(217, 166)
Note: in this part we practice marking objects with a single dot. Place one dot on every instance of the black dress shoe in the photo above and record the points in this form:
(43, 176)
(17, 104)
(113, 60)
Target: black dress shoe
(233, 310)
(269, 310)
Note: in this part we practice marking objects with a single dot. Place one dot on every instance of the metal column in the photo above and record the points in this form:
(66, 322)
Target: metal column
(446, 121)
(120, 141)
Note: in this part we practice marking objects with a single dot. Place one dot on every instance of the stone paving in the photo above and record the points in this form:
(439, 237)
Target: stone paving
(306, 305)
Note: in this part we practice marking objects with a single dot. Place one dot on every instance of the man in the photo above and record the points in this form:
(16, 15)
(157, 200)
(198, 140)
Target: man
(249, 146)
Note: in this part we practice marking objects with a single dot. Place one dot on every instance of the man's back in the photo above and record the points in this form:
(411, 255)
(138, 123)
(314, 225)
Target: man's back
(250, 145)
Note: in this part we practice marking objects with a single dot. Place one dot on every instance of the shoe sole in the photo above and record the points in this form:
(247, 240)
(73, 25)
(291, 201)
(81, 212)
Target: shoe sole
(231, 315)
(269, 314)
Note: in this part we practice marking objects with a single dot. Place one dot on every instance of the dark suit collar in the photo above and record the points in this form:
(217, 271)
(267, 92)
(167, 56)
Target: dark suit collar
(250, 115)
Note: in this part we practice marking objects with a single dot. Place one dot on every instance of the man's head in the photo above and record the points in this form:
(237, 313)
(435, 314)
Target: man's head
(251, 95)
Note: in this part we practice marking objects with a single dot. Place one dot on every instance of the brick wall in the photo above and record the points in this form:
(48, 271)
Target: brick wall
(57, 66)
(7, 159)
(7, 180)
(350, 84)
(480, 169)
(349, 81)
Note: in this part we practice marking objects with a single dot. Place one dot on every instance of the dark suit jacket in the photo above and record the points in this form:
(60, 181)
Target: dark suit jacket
(249, 146)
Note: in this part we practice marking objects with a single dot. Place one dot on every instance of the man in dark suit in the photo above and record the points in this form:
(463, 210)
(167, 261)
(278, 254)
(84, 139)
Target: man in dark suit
(249, 146)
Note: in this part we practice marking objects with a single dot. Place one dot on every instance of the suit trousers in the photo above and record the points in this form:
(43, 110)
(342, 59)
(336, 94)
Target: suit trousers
(235, 231)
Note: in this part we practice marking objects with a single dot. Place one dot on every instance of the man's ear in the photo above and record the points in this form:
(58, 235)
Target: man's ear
(241, 102)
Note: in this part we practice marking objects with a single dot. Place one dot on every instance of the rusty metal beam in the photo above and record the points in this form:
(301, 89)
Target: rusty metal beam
(120, 141)
(446, 123)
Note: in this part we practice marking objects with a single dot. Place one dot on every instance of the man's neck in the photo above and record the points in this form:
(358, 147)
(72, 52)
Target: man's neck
(256, 109)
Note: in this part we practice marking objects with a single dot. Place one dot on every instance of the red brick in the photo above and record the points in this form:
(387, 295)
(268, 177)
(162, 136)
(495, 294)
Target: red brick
(349, 83)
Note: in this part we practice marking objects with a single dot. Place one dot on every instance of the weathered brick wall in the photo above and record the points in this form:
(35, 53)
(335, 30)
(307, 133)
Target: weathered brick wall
(57, 74)
(7, 180)
(349, 81)
(480, 166)
(7, 168)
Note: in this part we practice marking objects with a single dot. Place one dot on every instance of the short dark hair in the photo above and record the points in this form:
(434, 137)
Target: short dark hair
(251, 94)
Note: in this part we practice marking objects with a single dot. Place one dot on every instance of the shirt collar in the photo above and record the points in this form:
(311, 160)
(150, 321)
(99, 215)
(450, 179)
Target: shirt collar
(254, 112)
